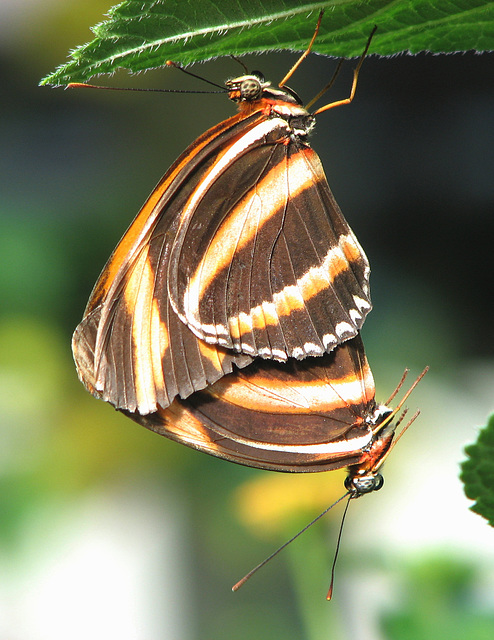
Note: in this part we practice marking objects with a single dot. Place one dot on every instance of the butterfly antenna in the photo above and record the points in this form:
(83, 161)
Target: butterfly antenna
(244, 66)
(241, 582)
(337, 550)
(84, 85)
(305, 53)
(175, 65)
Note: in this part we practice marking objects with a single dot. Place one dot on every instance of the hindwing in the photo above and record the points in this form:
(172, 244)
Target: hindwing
(131, 349)
(304, 415)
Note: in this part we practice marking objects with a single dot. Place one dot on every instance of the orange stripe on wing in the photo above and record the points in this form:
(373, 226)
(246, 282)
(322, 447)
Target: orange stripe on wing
(149, 334)
(138, 296)
(136, 233)
(179, 423)
(266, 199)
(211, 353)
(268, 394)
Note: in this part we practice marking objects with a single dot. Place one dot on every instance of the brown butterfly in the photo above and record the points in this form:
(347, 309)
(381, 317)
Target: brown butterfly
(240, 251)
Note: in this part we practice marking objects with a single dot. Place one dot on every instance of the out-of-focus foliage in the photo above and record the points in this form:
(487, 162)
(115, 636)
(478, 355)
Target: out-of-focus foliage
(436, 602)
(57, 443)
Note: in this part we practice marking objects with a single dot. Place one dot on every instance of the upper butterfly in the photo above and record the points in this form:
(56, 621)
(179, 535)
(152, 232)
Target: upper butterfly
(240, 251)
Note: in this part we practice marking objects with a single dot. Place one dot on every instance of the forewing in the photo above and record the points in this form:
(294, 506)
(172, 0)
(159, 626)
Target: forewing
(264, 262)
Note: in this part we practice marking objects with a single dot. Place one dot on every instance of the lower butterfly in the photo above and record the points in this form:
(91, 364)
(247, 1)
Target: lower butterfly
(317, 414)
(241, 251)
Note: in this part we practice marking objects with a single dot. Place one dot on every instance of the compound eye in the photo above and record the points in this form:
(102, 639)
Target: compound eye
(250, 89)
(359, 485)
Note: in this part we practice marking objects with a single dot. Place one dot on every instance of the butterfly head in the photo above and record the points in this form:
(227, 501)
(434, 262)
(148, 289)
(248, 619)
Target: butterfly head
(358, 485)
(253, 87)
(364, 477)
(246, 88)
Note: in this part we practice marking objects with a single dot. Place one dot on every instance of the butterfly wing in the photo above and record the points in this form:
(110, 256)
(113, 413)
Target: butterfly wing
(300, 416)
(130, 348)
(264, 262)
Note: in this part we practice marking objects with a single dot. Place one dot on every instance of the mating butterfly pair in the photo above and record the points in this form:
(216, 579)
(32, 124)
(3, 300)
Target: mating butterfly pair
(228, 316)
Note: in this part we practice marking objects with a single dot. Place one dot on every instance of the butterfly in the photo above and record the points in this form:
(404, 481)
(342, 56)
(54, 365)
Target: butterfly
(240, 252)
(316, 414)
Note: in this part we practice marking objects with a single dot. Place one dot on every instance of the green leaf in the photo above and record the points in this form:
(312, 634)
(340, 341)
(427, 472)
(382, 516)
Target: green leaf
(143, 34)
(477, 473)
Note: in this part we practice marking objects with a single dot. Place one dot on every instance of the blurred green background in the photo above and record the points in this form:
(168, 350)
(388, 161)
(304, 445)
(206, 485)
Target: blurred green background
(107, 530)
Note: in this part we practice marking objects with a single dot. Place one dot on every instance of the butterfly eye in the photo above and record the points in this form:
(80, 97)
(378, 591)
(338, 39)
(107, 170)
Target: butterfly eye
(250, 88)
(364, 484)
